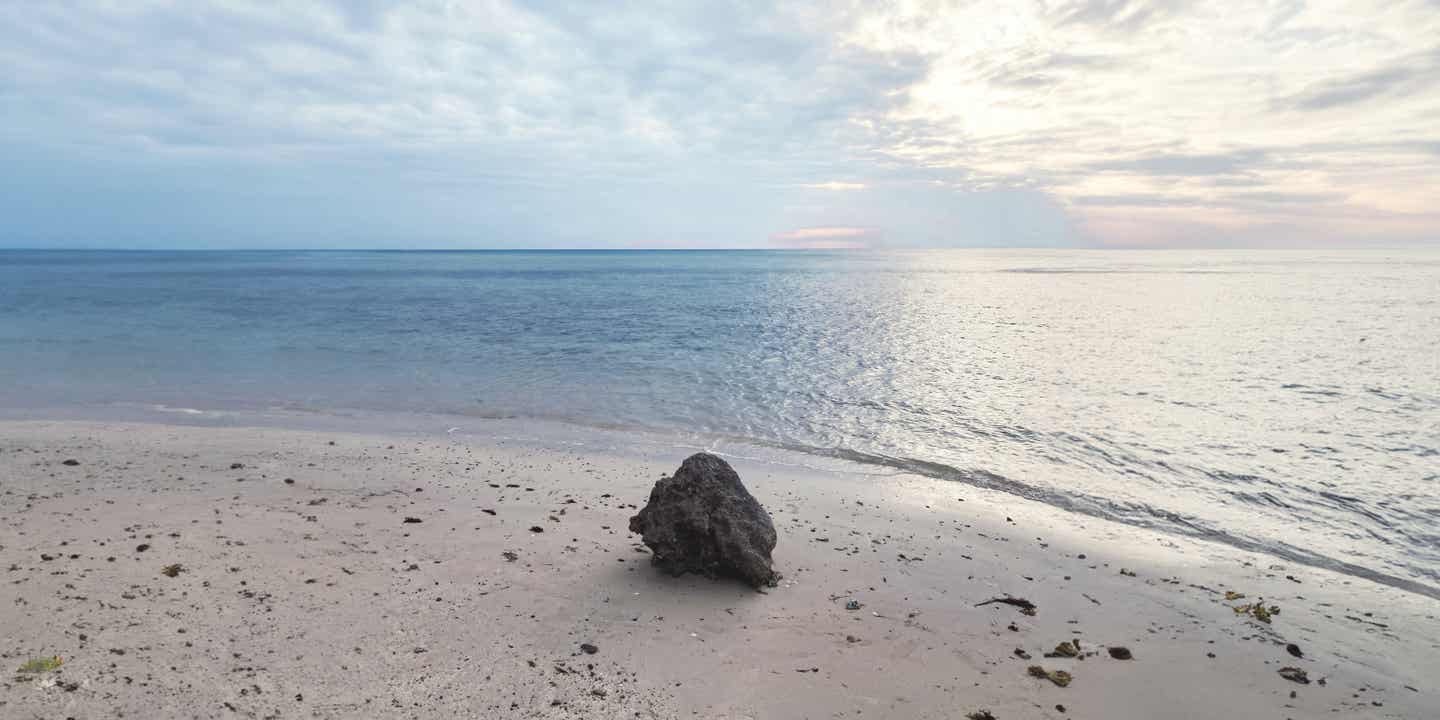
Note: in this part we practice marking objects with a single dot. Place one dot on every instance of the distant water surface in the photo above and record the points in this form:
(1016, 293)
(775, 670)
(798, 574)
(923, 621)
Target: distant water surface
(1278, 400)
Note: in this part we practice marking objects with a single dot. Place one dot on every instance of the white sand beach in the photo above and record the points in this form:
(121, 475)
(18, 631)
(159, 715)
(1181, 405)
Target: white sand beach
(303, 591)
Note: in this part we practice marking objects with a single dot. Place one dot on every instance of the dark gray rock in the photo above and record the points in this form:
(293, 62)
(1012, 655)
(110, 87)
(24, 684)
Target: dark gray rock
(703, 520)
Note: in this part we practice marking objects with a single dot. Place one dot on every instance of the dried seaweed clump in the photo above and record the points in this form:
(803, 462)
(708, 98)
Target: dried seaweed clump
(35, 666)
(1059, 677)
(1258, 610)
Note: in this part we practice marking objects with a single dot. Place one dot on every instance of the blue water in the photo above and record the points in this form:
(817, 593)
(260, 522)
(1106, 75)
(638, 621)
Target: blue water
(1284, 401)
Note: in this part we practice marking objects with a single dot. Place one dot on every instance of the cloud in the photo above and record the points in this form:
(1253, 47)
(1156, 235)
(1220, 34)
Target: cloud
(1410, 75)
(833, 185)
(1184, 165)
(434, 123)
(1116, 15)
(826, 238)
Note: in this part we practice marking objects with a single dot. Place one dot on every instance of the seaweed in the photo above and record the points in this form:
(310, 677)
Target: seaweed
(1059, 677)
(1258, 610)
(35, 666)
(1294, 674)
(1067, 649)
(1026, 607)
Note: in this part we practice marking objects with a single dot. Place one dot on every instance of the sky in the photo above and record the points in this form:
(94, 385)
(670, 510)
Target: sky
(485, 123)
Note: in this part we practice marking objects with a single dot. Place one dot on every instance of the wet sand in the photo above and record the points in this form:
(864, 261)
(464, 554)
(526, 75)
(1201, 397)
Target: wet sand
(342, 575)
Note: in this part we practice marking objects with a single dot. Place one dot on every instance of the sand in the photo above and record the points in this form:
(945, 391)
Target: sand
(302, 591)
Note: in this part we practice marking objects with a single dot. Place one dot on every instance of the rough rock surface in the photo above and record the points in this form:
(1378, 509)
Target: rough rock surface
(703, 520)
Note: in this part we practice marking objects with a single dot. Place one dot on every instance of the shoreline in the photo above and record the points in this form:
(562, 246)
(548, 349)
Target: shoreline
(635, 441)
(314, 598)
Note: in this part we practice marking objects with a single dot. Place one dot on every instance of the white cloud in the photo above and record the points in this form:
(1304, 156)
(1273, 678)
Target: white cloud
(1121, 121)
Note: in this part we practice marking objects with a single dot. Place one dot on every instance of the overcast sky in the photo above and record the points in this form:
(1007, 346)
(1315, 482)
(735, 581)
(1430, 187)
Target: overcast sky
(326, 123)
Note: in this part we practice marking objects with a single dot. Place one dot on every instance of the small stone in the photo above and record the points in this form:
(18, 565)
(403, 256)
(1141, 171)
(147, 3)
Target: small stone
(237, 466)
(588, 648)
(1120, 653)
(1294, 649)
(142, 547)
(71, 462)
(411, 520)
(536, 529)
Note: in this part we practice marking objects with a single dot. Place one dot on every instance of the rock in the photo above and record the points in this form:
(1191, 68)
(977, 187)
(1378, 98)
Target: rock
(71, 462)
(703, 520)
(1120, 653)
(588, 648)
(1294, 649)
(410, 520)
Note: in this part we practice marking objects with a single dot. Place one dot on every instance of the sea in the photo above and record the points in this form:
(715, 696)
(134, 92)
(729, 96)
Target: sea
(1284, 401)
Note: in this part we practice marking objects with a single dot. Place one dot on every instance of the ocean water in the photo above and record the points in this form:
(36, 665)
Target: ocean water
(1284, 401)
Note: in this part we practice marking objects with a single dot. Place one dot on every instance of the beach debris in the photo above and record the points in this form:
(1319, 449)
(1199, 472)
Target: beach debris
(853, 605)
(289, 481)
(510, 556)
(1294, 674)
(1026, 607)
(1059, 677)
(703, 520)
(35, 666)
(1066, 649)
(72, 462)
(487, 511)
(1127, 572)
(1231, 595)
(142, 547)
(237, 466)
(980, 715)
(1294, 650)
(589, 648)
(1020, 653)
(1258, 610)
(172, 570)
(411, 520)
(536, 529)
(1120, 653)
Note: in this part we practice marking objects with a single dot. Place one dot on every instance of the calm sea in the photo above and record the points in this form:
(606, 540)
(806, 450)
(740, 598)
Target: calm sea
(1279, 400)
